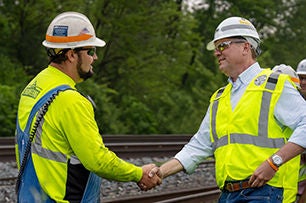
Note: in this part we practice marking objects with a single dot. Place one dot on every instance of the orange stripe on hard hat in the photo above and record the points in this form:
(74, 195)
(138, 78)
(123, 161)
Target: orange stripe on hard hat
(296, 80)
(63, 39)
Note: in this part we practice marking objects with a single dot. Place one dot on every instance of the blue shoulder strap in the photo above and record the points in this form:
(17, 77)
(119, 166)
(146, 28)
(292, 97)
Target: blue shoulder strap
(24, 145)
(27, 186)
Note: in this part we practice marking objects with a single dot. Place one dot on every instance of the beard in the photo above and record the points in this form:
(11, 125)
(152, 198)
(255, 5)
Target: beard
(84, 75)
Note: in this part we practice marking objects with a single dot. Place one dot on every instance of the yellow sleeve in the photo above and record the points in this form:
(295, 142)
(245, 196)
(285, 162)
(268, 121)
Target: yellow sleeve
(82, 133)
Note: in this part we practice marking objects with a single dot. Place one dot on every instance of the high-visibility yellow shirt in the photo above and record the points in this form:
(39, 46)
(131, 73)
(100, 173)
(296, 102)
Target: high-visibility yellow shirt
(70, 131)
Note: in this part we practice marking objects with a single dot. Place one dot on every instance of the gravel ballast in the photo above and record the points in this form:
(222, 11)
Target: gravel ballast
(203, 176)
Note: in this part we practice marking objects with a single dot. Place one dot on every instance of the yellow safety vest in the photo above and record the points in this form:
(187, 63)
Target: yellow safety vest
(302, 173)
(245, 137)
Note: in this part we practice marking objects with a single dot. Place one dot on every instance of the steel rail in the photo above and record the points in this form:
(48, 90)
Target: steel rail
(201, 194)
(129, 146)
(8, 181)
(125, 146)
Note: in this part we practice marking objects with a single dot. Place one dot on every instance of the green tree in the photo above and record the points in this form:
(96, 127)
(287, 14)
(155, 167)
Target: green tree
(151, 49)
(12, 80)
(154, 75)
(289, 42)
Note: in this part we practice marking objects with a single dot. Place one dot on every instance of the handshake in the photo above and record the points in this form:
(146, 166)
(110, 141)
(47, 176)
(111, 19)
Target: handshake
(151, 177)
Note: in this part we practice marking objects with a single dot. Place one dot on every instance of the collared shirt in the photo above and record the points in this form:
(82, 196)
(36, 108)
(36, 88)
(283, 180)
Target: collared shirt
(290, 111)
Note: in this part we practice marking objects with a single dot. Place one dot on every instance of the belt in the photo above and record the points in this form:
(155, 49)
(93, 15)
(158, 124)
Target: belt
(233, 186)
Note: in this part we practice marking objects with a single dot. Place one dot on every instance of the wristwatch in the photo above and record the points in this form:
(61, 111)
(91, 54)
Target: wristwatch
(277, 160)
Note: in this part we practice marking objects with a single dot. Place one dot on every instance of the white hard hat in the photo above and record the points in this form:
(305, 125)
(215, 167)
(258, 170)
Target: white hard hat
(301, 68)
(288, 70)
(235, 27)
(71, 30)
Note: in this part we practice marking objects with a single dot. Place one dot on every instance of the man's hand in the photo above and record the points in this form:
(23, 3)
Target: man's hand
(263, 174)
(149, 177)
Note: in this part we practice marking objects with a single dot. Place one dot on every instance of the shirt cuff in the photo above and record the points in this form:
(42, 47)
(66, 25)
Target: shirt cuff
(138, 174)
(186, 161)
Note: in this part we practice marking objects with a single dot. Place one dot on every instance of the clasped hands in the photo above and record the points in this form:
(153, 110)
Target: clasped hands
(151, 177)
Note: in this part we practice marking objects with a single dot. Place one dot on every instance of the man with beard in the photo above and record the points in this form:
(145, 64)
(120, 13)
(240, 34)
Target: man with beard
(60, 153)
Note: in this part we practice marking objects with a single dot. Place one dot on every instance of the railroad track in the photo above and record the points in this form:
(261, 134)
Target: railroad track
(136, 146)
(125, 146)
(7, 181)
(7, 149)
(207, 194)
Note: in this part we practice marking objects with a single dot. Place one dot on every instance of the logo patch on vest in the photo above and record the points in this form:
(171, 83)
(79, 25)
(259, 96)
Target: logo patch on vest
(31, 91)
(260, 80)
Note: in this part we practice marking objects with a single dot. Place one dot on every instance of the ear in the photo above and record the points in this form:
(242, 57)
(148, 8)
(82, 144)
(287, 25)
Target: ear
(246, 48)
(71, 55)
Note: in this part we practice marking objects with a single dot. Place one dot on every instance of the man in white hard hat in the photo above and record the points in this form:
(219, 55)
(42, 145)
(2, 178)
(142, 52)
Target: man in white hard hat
(246, 124)
(301, 71)
(60, 152)
(288, 70)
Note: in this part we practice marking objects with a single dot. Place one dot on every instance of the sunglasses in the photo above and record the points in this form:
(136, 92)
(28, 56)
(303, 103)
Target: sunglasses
(224, 45)
(90, 51)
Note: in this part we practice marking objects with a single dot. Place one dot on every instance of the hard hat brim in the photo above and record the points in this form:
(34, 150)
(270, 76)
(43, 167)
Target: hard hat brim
(97, 43)
(210, 46)
(301, 72)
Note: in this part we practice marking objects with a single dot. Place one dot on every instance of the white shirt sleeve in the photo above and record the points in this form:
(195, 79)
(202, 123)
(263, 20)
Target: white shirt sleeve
(198, 148)
(290, 111)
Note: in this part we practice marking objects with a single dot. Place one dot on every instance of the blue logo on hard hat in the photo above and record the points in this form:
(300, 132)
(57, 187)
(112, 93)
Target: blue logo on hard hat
(60, 30)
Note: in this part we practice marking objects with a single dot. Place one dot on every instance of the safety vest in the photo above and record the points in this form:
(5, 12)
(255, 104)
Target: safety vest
(302, 172)
(245, 137)
(29, 189)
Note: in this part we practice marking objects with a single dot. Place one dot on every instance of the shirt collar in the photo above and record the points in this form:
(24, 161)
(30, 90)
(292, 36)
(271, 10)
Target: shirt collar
(247, 76)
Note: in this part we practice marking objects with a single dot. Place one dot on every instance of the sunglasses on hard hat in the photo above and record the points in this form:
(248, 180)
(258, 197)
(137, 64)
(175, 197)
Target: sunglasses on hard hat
(224, 45)
(90, 51)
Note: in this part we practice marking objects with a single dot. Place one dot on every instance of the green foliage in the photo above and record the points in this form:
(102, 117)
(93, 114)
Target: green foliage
(8, 109)
(150, 50)
(154, 75)
(24, 24)
(107, 113)
(137, 117)
(12, 78)
(289, 45)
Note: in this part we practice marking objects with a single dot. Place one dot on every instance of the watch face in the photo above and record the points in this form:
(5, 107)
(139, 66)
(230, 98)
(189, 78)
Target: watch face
(277, 160)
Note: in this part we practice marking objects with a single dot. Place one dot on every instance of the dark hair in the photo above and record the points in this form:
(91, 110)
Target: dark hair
(58, 57)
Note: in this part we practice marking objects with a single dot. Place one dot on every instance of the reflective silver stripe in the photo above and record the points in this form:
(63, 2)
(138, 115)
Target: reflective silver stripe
(220, 142)
(265, 105)
(48, 154)
(214, 113)
(250, 139)
(237, 26)
(74, 160)
(261, 139)
(302, 173)
(258, 141)
(43, 152)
